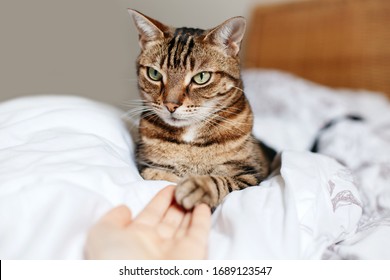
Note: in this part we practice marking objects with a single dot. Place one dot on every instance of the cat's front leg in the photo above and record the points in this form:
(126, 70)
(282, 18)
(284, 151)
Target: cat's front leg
(157, 174)
(195, 190)
(211, 189)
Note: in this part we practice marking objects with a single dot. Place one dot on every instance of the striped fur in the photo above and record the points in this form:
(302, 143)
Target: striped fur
(196, 135)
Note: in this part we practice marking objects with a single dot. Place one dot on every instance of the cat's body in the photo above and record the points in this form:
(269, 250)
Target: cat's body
(196, 126)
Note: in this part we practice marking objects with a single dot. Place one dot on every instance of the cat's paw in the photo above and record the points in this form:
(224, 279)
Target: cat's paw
(195, 190)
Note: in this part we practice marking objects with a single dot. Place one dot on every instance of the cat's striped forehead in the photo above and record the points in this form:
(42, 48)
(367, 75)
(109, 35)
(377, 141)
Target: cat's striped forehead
(181, 45)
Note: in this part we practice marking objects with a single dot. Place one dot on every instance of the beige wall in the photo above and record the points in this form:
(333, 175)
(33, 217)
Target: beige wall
(88, 47)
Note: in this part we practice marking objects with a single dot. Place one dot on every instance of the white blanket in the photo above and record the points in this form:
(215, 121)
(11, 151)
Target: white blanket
(65, 161)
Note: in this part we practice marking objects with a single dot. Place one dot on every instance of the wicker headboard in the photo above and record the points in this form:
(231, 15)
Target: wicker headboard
(339, 43)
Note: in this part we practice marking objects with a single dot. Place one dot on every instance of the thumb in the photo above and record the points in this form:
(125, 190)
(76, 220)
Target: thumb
(119, 216)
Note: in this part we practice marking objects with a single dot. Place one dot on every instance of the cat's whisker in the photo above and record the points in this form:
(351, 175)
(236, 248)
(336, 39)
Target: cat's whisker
(225, 125)
(135, 113)
(239, 89)
(138, 109)
(153, 118)
(219, 122)
(222, 109)
(226, 120)
(135, 103)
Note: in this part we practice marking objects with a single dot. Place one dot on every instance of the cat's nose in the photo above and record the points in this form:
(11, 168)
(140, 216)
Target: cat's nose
(171, 106)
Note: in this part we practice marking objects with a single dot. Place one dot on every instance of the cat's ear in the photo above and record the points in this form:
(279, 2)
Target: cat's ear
(228, 35)
(150, 30)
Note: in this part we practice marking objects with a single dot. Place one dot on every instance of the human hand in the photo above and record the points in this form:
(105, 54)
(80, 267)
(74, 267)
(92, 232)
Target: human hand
(163, 230)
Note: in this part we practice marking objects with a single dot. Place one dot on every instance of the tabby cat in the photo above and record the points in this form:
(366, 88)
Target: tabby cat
(196, 128)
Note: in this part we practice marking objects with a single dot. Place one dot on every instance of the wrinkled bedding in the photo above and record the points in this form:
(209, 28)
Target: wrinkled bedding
(65, 161)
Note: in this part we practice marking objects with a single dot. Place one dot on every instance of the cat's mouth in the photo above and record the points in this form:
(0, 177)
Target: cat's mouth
(177, 121)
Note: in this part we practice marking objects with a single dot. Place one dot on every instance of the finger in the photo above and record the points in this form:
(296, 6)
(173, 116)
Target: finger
(157, 207)
(200, 223)
(171, 221)
(184, 225)
(118, 216)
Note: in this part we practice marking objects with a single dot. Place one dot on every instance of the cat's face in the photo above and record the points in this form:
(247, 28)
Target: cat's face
(186, 74)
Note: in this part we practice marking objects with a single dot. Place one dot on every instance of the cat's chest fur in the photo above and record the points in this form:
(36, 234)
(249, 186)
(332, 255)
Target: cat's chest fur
(190, 134)
(190, 156)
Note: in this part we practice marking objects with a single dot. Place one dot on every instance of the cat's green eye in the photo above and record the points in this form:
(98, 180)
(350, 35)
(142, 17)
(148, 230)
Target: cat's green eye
(202, 78)
(154, 74)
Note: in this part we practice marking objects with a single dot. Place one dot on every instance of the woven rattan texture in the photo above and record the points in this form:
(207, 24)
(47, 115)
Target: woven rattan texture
(339, 43)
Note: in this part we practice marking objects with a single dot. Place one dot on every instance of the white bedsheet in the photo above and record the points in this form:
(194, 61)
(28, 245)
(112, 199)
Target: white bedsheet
(64, 161)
